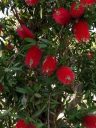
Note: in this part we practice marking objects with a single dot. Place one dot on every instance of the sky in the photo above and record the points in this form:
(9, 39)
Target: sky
(1, 14)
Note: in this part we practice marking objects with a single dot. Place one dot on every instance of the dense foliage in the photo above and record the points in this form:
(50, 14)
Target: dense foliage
(48, 64)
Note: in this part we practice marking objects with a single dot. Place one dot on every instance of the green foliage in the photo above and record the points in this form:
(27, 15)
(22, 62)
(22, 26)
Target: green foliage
(27, 92)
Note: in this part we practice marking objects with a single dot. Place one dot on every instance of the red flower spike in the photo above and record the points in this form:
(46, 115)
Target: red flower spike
(61, 16)
(24, 32)
(81, 31)
(21, 124)
(65, 75)
(33, 57)
(31, 125)
(49, 65)
(31, 2)
(87, 2)
(89, 121)
(76, 10)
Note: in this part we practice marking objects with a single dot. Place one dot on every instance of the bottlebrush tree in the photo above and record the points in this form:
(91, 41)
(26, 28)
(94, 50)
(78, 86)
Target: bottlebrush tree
(48, 64)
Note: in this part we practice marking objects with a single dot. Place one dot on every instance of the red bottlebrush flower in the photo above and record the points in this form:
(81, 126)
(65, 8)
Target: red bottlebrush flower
(21, 124)
(49, 65)
(76, 10)
(33, 57)
(24, 32)
(31, 2)
(61, 16)
(87, 2)
(65, 75)
(89, 121)
(90, 55)
(1, 88)
(81, 31)
(31, 125)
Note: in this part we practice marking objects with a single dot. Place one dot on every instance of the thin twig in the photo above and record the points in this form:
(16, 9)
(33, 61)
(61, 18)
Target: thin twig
(15, 12)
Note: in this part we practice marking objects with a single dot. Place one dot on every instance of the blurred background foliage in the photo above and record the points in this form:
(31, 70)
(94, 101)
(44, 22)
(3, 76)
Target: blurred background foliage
(26, 93)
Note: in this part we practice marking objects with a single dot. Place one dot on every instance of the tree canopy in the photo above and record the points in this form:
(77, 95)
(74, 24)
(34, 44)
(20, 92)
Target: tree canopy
(48, 64)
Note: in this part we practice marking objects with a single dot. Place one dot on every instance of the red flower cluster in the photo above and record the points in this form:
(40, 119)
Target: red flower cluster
(61, 16)
(31, 2)
(76, 10)
(81, 31)
(22, 124)
(89, 121)
(87, 2)
(49, 65)
(65, 75)
(33, 57)
(24, 32)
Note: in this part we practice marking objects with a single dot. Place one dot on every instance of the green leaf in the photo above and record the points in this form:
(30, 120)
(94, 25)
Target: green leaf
(28, 40)
(25, 90)
(39, 111)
